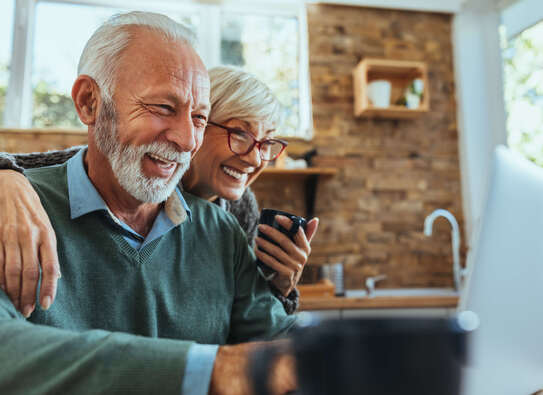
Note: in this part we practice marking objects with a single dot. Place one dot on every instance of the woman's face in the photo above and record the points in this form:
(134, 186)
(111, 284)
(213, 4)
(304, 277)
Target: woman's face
(216, 171)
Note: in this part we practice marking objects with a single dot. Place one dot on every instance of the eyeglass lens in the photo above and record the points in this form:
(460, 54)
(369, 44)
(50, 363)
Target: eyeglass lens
(241, 143)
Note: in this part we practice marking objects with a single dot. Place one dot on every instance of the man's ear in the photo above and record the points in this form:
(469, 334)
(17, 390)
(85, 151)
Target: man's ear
(86, 97)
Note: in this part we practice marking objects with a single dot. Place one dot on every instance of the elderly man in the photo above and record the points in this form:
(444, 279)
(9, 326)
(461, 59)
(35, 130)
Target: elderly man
(137, 256)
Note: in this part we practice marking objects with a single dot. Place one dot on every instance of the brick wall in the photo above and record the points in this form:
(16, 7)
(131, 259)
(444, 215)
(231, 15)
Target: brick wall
(392, 173)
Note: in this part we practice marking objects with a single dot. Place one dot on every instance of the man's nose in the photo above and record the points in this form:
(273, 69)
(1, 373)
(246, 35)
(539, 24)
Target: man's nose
(183, 134)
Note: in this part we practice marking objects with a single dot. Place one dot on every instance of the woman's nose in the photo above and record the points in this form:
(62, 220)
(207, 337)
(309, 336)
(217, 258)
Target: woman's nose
(253, 157)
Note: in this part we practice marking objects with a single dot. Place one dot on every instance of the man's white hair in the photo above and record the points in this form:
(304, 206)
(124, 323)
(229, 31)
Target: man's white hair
(102, 53)
(238, 94)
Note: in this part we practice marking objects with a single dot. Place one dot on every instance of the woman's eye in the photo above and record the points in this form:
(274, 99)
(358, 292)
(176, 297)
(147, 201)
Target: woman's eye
(240, 135)
(199, 120)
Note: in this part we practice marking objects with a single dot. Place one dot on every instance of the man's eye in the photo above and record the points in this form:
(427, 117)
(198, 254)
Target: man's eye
(163, 109)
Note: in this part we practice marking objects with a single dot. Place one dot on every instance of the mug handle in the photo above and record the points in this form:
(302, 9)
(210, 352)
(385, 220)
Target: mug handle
(296, 223)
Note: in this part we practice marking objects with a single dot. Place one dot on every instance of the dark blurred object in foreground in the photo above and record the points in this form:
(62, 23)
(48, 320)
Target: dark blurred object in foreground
(377, 356)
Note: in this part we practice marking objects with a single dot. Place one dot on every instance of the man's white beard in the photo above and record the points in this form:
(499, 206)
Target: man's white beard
(126, 161)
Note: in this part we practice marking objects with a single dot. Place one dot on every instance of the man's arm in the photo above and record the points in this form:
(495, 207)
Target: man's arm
(40, 359)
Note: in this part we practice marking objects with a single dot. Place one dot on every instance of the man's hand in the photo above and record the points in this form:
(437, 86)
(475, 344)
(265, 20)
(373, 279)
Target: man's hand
(289, 258)
(230, 372)
(27, 240)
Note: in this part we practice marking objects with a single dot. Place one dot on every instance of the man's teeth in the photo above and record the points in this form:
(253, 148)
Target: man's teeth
(237, 175)
(164, 161)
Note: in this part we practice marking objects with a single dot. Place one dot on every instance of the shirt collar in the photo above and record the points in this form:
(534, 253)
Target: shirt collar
(84, 198)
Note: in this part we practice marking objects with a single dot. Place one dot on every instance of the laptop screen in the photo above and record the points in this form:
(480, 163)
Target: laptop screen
(505, 284)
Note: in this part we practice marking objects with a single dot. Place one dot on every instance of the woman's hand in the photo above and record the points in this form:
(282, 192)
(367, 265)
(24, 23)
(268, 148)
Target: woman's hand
(289, 258)
(27, 240)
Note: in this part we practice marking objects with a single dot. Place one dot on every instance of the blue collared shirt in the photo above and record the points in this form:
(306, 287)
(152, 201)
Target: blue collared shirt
(84, 199)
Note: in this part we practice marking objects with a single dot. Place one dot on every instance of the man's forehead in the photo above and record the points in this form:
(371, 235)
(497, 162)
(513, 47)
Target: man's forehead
(189, 76)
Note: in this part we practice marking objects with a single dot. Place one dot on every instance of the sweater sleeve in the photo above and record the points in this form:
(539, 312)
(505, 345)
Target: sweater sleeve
(256, 314)
(247, 213)
(45, 360)
(19, 162)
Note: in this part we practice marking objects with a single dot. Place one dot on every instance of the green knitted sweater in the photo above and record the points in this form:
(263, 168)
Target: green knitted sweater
(197, 282)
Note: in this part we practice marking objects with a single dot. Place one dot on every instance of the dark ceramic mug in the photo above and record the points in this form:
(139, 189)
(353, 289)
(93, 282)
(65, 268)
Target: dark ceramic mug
(267, 216)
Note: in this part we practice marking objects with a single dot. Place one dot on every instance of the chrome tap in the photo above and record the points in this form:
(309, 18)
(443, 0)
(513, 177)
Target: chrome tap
(458, 271)
(370, 284)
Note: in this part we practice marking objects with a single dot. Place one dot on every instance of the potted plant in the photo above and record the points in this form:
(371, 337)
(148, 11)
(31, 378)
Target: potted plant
(413, 94)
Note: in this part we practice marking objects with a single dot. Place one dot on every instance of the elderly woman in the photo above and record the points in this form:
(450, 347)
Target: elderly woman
(236, 147)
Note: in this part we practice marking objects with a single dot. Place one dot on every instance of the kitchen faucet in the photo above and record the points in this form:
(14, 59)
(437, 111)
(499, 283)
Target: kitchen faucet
(458, 271)
(370, 284)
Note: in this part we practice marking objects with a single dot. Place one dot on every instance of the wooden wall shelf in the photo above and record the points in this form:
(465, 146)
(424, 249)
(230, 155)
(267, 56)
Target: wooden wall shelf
(310, 177)
(310, 171)
(400, 74)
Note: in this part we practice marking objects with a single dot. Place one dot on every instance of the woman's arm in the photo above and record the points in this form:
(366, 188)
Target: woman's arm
(19, 162)
(289, 265)
(27, 240)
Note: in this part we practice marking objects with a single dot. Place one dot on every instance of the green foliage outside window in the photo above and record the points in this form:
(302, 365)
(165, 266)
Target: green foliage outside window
(2, 103)
(3, 91)
(50, 108)
(53, 109)
(523, 77)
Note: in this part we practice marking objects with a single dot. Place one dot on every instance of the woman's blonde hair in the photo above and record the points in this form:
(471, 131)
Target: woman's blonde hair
(238, 94)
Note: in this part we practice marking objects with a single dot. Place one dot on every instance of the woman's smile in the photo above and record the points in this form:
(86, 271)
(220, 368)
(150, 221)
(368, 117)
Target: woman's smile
(234, 173)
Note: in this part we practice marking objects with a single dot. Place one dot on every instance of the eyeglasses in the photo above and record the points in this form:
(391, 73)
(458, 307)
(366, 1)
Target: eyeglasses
(241, 143)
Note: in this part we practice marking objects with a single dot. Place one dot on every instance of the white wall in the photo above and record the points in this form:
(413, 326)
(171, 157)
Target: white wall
(480, 104)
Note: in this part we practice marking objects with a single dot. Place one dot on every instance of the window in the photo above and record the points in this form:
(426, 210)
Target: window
(7, 9)
(523, 79)
(57, 47)
(247, 39)
(268, 42)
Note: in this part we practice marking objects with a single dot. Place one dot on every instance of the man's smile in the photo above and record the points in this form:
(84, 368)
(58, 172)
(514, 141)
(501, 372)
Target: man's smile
(160, 166)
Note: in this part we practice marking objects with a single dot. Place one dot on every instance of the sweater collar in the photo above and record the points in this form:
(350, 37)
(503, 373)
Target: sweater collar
(84, 198)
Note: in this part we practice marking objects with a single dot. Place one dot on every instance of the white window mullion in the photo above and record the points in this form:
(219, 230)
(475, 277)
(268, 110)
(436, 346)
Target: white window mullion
(304, 86)
(19, 93)
(209, 35)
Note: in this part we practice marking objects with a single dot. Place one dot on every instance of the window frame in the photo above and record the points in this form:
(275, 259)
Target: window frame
(19, 96)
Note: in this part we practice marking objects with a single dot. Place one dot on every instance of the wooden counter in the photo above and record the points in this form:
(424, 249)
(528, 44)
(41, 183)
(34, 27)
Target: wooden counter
(381, 302)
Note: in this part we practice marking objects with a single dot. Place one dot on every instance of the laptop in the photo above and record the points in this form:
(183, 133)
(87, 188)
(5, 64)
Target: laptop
(505, 284)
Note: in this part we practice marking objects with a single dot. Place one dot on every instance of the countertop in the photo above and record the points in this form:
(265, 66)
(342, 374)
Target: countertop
(380, 302)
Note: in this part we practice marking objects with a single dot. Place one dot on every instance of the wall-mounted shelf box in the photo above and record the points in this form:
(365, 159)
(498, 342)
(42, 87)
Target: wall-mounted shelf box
(400, 73)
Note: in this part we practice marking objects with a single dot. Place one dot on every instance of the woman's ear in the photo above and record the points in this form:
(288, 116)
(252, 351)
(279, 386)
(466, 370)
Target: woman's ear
(86, 97)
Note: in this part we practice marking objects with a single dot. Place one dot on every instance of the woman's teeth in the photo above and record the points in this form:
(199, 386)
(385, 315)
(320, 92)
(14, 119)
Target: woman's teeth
(161, 162)
(233, 173)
